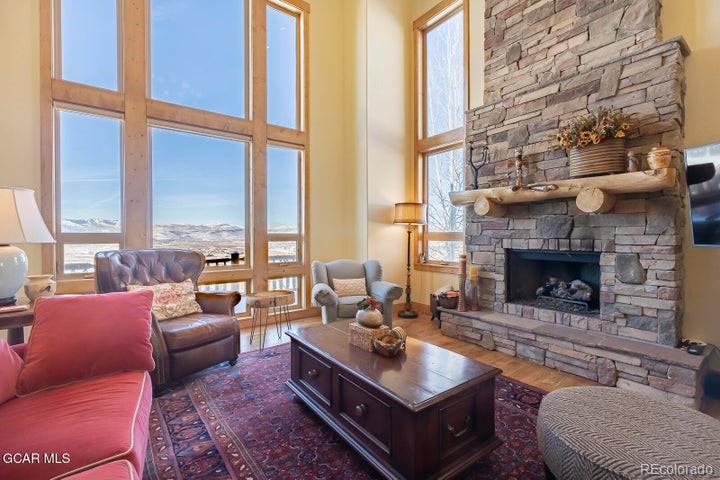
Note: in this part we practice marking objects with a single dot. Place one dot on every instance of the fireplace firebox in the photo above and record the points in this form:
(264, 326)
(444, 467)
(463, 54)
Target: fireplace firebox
(556, 280)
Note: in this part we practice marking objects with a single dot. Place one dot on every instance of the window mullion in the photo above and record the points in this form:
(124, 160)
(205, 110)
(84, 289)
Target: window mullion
(258, 197)
(136, 167)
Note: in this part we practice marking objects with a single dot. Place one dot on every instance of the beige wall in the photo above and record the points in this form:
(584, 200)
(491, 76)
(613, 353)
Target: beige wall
(333, 199)
(389, 147)
(697, 21)
(20, 102)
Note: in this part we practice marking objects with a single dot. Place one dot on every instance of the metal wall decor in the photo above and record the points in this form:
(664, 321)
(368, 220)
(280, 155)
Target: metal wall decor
(476, 165)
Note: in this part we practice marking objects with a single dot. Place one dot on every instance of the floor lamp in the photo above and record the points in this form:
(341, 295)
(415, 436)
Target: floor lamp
(410, 214)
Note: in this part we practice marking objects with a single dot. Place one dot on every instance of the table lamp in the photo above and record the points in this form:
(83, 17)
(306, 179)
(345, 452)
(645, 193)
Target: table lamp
(20, 222)
(410, 214)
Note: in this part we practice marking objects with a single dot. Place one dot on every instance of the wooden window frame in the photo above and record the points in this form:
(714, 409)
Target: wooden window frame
(132, 102)
(450, 140)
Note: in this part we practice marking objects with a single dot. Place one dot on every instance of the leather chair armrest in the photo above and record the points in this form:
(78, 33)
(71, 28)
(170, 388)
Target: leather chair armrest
(220, 303)
(385, 291)
(323, 296)
(161, 374)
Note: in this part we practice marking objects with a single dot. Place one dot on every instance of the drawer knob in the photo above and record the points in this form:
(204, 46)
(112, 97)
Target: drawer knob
(462, 432)
(361, 410)
(313, 373)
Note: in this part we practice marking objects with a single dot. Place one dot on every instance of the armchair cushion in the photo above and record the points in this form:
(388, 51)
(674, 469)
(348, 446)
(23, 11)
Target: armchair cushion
(197, 329)
(117, 470)
(171, 300)
(76, 337)
(348, 306)
(10, 366)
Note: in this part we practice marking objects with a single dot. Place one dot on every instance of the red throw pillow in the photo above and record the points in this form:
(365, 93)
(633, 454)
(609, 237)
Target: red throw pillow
(76, 337)
(10, 365)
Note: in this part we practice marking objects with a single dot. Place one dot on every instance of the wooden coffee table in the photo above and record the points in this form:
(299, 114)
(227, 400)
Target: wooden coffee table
(427, 413)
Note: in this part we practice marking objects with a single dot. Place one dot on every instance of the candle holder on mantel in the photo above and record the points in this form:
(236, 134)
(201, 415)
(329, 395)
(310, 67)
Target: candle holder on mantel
(462, 307)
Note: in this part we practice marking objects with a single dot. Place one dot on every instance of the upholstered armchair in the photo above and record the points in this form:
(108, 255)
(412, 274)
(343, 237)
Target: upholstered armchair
(334, 306)
(182, 345)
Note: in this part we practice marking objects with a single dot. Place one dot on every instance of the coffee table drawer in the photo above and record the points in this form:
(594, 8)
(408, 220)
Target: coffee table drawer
(457, 424)
(366, 412)
(315, 375)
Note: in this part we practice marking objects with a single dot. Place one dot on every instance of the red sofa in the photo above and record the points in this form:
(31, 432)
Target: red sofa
(76, 404)
(90, 424)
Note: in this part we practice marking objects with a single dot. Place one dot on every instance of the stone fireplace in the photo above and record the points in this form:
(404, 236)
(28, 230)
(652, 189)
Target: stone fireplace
(547, 62)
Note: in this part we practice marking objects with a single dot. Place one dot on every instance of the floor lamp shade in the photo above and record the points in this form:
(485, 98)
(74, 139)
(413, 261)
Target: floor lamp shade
(20, 222)
(410, 213)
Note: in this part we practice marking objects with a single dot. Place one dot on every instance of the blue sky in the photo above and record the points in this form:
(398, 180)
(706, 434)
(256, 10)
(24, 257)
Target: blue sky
(197, 60)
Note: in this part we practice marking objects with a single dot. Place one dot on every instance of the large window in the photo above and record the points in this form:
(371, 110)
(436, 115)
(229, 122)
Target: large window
(177, 124)
(440, 106)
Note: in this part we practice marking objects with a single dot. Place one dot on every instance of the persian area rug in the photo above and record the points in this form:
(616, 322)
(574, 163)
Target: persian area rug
(241, 423)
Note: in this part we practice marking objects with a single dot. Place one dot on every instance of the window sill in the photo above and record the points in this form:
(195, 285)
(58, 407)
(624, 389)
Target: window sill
(449, 268)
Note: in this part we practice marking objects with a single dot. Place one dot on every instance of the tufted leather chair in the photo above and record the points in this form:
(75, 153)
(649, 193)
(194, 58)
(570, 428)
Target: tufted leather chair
(183, 345)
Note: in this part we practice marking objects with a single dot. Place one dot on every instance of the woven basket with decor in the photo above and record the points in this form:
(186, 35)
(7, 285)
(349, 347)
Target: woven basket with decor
(601, 159)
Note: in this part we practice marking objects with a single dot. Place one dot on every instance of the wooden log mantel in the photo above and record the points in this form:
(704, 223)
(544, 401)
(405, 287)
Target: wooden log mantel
(486, 200)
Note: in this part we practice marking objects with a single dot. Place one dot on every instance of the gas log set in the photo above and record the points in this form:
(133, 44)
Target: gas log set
(557, 294)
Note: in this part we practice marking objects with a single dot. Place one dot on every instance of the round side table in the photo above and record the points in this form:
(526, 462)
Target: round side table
(274, 302)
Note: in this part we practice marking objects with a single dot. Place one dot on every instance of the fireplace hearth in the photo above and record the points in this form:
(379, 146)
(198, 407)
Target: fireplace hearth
(564, 281)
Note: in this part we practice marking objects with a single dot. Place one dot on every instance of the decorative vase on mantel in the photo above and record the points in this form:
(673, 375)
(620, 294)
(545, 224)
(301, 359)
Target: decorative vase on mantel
(604, 158)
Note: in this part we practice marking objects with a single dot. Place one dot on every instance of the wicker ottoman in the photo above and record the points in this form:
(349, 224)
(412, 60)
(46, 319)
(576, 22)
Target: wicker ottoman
(609, 433)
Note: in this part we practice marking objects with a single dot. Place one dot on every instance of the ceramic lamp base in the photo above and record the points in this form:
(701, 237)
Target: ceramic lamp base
(13, 269)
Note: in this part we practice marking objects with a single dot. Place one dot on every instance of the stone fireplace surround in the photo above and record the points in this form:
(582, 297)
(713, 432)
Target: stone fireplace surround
(548, 61)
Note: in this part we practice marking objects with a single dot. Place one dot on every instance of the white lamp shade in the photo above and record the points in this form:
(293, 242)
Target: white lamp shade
(20, 219)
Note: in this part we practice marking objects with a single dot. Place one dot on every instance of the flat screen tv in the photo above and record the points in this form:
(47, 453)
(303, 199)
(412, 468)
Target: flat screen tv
(703, 176)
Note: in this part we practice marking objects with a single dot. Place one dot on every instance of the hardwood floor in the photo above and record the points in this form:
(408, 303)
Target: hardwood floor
(422, 328)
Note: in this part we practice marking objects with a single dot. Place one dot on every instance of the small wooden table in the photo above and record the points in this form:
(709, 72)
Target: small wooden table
(276, 302)
(14, 322)
(427, 413)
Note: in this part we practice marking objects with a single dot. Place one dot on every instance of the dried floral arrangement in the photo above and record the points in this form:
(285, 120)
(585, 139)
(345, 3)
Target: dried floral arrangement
(369, 303)
(603, 124)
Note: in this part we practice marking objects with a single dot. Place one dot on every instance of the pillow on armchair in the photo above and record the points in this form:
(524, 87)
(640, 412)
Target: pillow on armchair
(350, 287)
(171, 300)
(76, 337)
